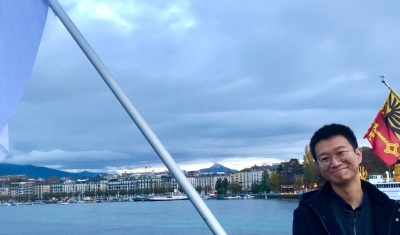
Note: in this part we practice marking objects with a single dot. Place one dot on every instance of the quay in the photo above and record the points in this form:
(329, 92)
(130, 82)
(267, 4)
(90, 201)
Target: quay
(281, 196)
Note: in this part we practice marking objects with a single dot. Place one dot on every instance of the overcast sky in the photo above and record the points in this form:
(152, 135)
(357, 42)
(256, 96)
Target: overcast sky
(234, 82)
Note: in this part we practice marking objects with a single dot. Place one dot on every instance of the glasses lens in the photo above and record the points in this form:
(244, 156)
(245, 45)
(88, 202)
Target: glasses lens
(325, 161)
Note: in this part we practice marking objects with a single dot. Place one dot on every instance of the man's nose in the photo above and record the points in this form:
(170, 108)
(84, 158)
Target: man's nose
(335, 162)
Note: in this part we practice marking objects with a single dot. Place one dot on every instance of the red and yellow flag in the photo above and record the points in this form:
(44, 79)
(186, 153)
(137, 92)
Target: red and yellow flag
(384, 133)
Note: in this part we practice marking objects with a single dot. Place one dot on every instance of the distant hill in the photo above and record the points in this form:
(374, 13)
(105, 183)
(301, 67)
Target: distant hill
(216, 168)
(41, 172)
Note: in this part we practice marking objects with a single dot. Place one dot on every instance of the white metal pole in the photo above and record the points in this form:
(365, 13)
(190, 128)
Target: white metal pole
(169, 162)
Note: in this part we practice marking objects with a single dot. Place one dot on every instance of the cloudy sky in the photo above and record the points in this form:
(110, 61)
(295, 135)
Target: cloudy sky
(234, 82)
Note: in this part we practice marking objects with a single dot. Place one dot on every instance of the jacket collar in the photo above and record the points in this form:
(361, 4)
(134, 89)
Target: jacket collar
(319, 199)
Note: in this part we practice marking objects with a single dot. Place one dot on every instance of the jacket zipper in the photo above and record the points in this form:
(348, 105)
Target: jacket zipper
(322, 221)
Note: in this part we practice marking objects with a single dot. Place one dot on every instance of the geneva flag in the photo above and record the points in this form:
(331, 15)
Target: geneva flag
(21, 28)
(384, 133)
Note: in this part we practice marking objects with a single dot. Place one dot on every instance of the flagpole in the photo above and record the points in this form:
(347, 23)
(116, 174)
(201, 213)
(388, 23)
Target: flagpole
(388, 86)
(158, 147)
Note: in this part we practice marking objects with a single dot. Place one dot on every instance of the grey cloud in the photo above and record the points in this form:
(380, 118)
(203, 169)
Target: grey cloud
(221, 80)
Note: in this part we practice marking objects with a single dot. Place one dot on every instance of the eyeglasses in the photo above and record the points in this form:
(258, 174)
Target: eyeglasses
(326, 160)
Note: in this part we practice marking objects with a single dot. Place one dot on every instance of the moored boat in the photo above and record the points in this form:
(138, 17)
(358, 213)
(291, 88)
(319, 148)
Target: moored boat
(389, 187)
(169, 197)
(140, 198)
(63, 203)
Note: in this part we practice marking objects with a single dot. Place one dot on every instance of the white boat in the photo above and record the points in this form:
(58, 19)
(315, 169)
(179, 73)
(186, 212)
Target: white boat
(6, 204)
(247, 196)
(169, 197)
(230, 197)
(390, 188)
(63, 203)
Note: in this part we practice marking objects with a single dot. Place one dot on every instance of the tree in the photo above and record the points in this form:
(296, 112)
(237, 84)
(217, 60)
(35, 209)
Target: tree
(255, 188)
(291, 171)
(53, 179)
(235, 187)
(225, 184)
(264, 184)
(199, 188)
(372, 163)
(275, 181)
(221, 186)
(218, 184)
(311, 173)
(123, 192)
(207, 188)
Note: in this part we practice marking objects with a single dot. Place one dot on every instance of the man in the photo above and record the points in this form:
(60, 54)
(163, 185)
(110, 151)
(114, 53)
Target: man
(345, 204)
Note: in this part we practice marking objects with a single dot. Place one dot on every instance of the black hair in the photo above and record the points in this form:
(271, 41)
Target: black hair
(329, 131)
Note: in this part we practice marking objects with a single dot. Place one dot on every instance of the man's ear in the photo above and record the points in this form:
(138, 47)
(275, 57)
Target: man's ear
(359, 154)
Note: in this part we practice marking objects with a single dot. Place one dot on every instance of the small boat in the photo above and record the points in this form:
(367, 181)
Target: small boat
(6, 204)
(247, 196)
(63, 203)
(140, 198)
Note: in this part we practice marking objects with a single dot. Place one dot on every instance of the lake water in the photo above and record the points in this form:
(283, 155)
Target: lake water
(256, 216)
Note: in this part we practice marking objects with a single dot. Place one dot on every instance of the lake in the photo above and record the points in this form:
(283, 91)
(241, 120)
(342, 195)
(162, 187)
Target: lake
(254, 216)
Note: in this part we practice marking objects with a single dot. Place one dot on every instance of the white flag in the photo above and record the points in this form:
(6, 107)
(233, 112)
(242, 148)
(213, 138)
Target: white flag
(21, 29)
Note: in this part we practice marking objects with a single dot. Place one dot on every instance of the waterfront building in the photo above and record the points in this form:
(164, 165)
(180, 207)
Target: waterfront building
(168, 181)
(243, 178)
(14, 189)
(97, 183)
(81, 185)
(208, 181)
(40, 188)
(193, 180)
(68, 186)
(147, 181)
(56, 187)
(8, 178)
(121, 184)
(25, 188)
(4, 189)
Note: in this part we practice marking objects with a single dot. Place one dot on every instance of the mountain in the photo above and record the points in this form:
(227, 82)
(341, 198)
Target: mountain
(90, 174)
(40, 172)
(216, 168)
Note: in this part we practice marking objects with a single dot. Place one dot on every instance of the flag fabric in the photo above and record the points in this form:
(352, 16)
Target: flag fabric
(21, 29)
(384, 132)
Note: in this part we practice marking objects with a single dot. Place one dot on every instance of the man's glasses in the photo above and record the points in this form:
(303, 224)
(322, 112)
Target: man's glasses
(326, 160)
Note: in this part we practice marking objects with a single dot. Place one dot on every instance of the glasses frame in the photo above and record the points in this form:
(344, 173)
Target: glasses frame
(335, 156)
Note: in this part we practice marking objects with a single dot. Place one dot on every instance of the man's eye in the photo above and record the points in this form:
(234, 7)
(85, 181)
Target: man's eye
(324, 159)
(341, 153)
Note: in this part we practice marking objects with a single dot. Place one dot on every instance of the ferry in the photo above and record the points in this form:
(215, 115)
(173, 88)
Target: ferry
(389, 187)
(169, 197)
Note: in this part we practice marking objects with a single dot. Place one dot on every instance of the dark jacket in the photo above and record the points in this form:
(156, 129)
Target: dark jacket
(314, 216)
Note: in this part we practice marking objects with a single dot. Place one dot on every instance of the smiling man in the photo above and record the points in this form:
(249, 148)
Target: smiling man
(345, 204)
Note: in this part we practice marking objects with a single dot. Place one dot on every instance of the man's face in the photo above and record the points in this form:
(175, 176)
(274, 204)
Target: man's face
(338, 172)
